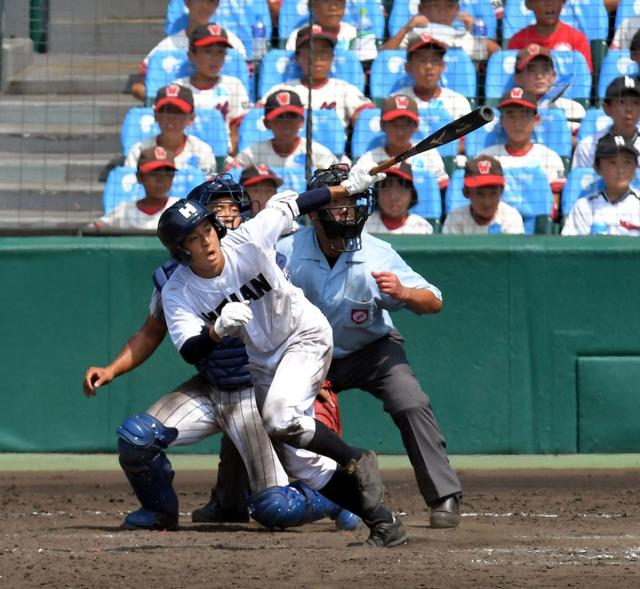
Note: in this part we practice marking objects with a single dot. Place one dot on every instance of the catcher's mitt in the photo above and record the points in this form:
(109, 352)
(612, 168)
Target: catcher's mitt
(325, 413)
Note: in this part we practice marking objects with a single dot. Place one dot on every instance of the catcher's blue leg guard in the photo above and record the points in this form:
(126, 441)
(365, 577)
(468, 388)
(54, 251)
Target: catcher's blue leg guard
(319, 507)
(142, 441)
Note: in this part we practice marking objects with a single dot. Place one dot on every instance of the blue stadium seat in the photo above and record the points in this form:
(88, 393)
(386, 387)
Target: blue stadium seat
(569, 65)
(230, 14)
(295, 14)
(588, 16)
(616, 63)
(526, 189)
(122, 185)
(552, 131)
(327, 130)
(279, 66)
(294, 178)
(626, 9)
(594, 121)
(139, 123)
(429, 203)
(401, 12)
(168, 65)
(388, 75)
(367, 134)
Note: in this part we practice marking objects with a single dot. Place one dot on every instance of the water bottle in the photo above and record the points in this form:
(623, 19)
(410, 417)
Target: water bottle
(259, 39)
(480, 36)
(364, 45)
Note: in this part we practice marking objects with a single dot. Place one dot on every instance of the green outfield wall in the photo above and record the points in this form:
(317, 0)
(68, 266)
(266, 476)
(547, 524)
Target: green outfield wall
(537, 349)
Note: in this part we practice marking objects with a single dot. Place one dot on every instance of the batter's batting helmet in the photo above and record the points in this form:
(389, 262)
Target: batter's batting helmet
(219, 187)
(179, 220)
(343, 230)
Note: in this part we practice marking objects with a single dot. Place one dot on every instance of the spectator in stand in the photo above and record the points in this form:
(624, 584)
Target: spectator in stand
(156, 168)
(284, 115)
(329, 14)
(535, 73)
(174, 111)
(395, 195)
(625, 33)
(207, 50)
(200, 14)
(550, 32)
(486, 213)
(399, 120)
(425, 64)
(261, 184)
(622, 104)
(329, 93)
(437, 19)
(615, 208)
(519, 116)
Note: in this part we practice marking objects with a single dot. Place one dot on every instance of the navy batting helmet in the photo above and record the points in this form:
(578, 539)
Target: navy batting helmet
(221, 186)
(343, 227)
(179, 220)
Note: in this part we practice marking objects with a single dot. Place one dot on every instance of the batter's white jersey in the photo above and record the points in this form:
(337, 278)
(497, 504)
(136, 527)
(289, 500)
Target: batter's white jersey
(127, 215)
(334, 94)
(194, 153)
(448, 100)
(263, 152)
(619, 218)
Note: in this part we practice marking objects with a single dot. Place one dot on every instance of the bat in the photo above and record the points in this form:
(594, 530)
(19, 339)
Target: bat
(450, 132)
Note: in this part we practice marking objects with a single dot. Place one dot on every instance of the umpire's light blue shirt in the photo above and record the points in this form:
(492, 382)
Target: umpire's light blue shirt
(347, 294)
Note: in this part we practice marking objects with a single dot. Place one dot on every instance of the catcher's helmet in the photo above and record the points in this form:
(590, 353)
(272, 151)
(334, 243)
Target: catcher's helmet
(179, 220)
(221, 186)
(343, 230)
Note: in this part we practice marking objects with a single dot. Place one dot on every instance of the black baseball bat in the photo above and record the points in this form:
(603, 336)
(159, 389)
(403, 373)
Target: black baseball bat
(450, 132)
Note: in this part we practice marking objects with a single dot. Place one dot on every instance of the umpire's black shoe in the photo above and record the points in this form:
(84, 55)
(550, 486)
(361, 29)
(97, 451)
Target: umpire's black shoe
(213, 513)
(445, 513)
(387, 534)
(370, 486)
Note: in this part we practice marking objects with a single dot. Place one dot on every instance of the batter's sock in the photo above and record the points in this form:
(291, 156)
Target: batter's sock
(327, 443)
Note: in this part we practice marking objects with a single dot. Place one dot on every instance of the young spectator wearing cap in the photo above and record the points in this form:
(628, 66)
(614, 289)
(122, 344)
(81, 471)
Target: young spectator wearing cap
(200, 14)
(625, 33)
(614, 209)
(207, 51)
(425, 64)
(331, 93)
(550, 32)
(519, 116)
(261, 184)
(395, 195)
(622, 104)
(284, 115)
(173, 110)
(329, 14)
(486, 213)
(156, 168)
(436, 18)
(399, 120)
(536, 74)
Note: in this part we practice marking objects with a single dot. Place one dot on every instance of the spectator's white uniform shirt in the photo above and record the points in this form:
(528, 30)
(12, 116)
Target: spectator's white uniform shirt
(334, 94)
(539, 155)
(625, 32)
(229, 96)
(448, 100)
(414, 225)
(263, 152)
(195, 154)
(460, 221)
(365, 48)
(585, 153)
(621, 217)
(127, 215)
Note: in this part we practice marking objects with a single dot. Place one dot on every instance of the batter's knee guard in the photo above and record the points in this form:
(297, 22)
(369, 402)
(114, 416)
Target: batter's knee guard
(319, 507)
(278, 507)
(142, 439)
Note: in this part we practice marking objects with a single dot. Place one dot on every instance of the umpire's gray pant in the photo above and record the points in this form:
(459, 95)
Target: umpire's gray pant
(381, 368)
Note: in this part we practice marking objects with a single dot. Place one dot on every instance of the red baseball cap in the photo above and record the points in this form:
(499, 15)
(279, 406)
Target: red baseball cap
(403, 170)
(282, 101)
(520, 97)
(177, 95)
(398, 106)
(315, 31)
(483, 170)
(419, 41)
(531, 52)
(155, 158)
(259, 173)
(210, 34)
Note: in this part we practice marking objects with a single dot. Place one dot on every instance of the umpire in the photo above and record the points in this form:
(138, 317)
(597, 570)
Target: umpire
(356, 279)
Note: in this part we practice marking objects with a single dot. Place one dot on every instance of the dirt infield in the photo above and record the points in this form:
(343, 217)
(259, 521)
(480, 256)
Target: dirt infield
(520, 529)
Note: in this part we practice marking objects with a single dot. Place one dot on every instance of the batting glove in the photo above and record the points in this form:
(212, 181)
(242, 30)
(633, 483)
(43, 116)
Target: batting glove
(233, 317)
(359, 178)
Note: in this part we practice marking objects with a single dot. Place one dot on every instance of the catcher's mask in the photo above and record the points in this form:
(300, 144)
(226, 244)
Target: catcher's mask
(342, 223)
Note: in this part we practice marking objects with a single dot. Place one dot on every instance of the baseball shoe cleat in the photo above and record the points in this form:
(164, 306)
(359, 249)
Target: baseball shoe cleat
(143, 519)
(387, 534)
(346, 521)
(370, 486)
(213, 513)
(445, 513)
